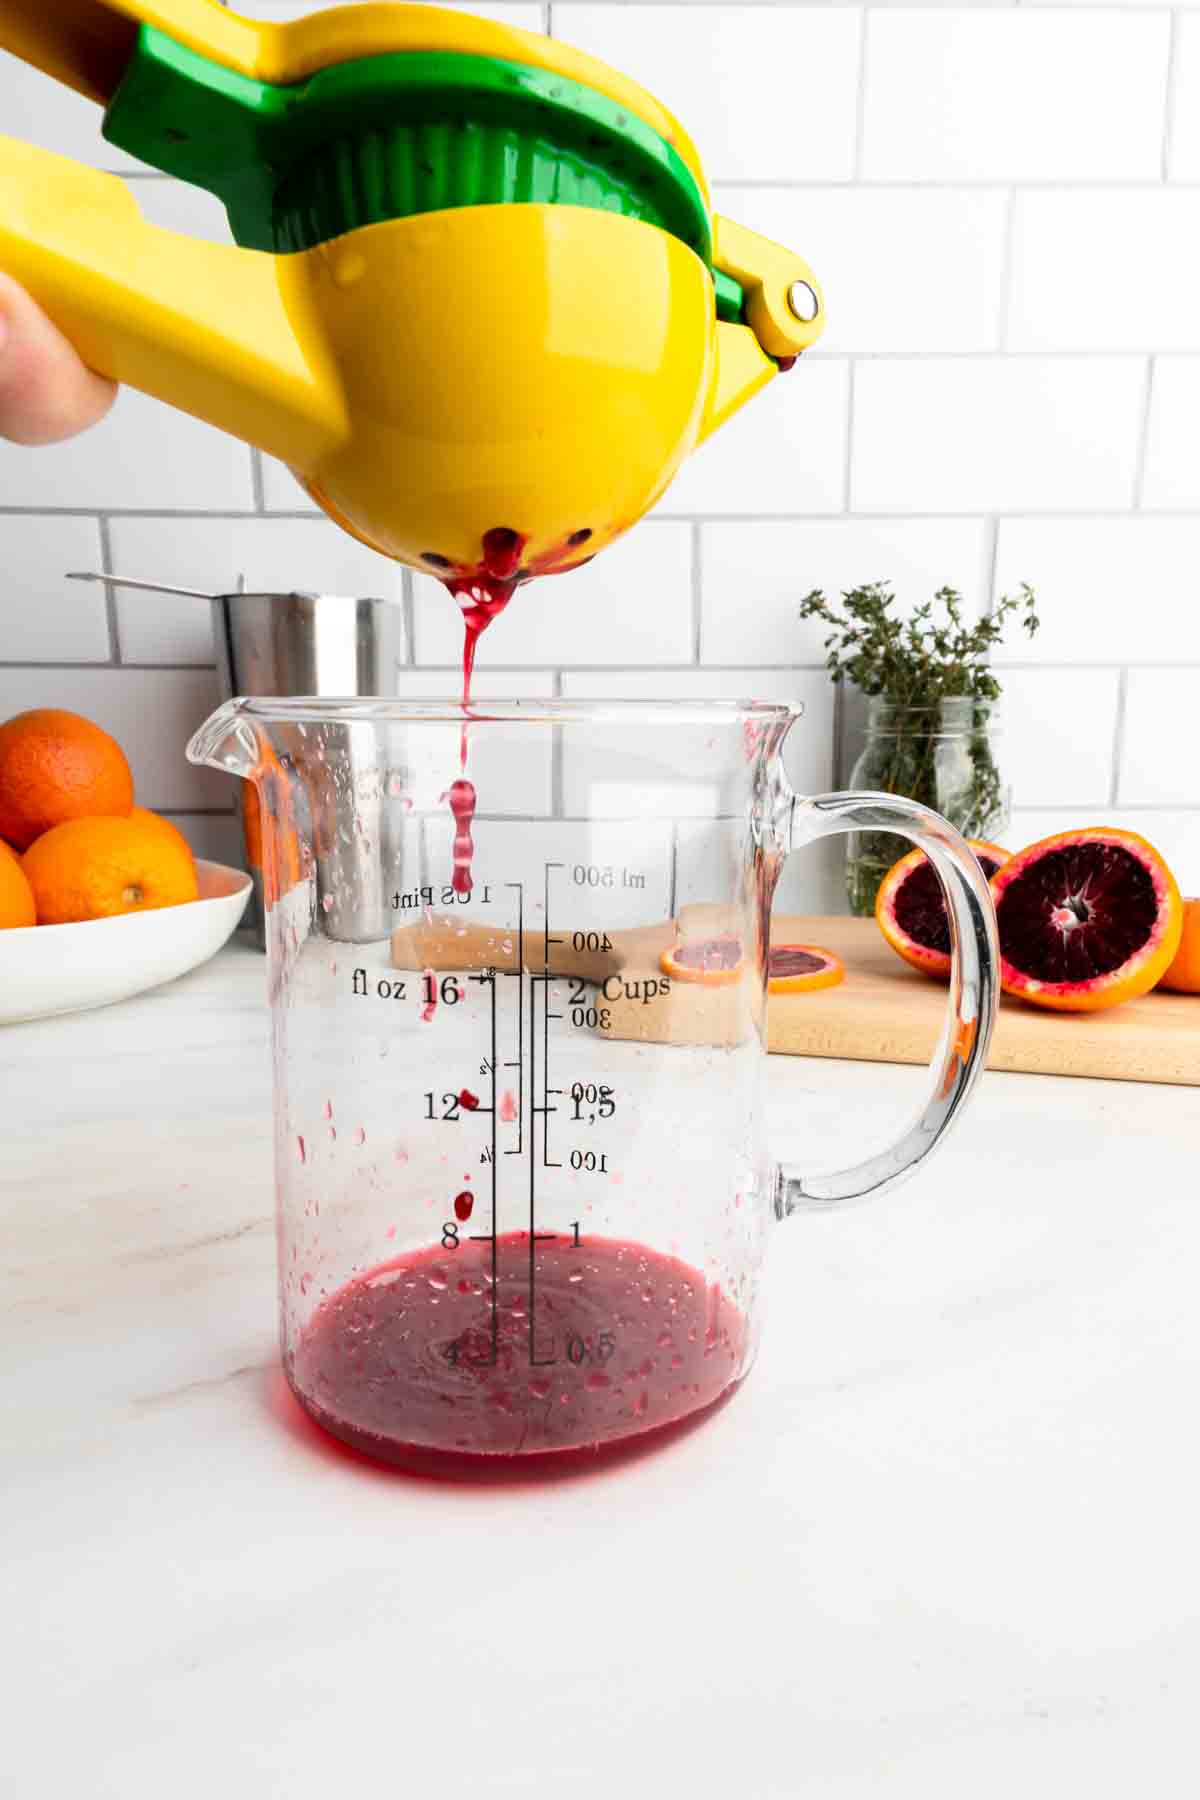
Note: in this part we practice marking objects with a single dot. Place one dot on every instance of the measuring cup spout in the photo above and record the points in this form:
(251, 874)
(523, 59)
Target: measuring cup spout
(227, 741)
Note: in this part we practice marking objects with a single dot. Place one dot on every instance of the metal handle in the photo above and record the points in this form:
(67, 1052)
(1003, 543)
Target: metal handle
(962, 1050)
(145, 587)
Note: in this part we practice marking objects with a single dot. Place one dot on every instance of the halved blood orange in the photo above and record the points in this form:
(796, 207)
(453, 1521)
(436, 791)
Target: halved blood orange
(911, 913)
(1087, 919)
(714, 961)
(799, 968)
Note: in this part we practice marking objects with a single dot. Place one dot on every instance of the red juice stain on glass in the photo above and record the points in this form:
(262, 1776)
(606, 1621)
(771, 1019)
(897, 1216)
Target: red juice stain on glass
(464, 1205)
(467, 1100)
(402, 1363)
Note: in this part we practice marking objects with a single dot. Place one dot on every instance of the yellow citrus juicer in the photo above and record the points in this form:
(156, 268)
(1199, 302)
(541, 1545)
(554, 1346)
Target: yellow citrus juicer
(477, 297)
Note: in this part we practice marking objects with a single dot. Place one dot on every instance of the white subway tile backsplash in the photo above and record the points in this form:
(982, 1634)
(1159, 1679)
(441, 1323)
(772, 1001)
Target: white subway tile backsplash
(43, 616)
(1152, 300)
(1095, 580)
(1058, 727)
(264, 555)
(754, 576)
(282, 492)
(1159, 764)
(44, 112)
(1184, 164)
(217, 837)
(512, 767)
(1019, 287)
(964, 94)
(1172, 474)
(177, 206)
(903, 269)
(784, 452)
(808, 750)
(969, 434)
(151, 713)
(143, 456)
(764, 91)
(632, 605)
(812, 881)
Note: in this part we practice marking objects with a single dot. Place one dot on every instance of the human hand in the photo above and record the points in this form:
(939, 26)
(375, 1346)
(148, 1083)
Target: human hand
(46, 393)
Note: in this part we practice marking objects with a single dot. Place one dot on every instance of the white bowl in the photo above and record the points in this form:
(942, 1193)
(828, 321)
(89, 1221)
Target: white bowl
(48, 969)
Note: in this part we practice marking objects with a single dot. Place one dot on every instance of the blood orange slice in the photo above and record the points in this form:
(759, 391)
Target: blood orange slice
(911, 913)
(1087, 919)
(799, 968)
(714, 961)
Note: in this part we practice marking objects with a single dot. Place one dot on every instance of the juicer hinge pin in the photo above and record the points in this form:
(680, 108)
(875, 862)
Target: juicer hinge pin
(803, 302)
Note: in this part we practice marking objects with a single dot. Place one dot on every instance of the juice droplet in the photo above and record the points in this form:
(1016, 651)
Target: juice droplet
(329, 1109)
(360, 1137)
(302, 1150)
(508, 1107)
(431, 990)
(463, 1205)
(467, 1100)
(461, 798)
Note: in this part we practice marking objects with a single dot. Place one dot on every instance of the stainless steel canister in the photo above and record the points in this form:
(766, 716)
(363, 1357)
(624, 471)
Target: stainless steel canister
(329, 645)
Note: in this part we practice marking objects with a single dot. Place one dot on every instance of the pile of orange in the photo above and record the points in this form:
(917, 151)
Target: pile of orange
(1087, 919)
(73, 845)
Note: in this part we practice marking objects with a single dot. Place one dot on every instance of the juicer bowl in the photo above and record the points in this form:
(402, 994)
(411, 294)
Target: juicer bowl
(537, 370)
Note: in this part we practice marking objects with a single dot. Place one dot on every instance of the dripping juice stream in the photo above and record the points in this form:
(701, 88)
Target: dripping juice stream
(481, 597)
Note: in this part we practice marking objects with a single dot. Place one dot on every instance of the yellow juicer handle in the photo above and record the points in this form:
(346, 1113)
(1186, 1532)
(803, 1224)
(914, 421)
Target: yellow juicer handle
(201, 326)
(779, 287)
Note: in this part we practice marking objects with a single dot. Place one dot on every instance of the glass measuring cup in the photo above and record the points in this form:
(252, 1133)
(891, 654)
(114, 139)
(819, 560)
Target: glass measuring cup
(524, 1187)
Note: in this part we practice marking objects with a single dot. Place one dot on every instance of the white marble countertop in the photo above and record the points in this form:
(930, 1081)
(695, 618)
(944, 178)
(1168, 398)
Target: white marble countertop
(943, 1543)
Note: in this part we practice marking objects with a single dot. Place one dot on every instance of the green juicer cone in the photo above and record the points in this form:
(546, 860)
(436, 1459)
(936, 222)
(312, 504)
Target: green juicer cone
(390, 136)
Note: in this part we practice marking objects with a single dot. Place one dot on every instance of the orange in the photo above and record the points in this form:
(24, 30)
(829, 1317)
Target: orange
(155, 822)
(1183, 975)
(56, 766)
(95, 868)
(799, 968)
(283, 866)
(714, 962)
(16, 895)
(910, 911)
(1086, 919)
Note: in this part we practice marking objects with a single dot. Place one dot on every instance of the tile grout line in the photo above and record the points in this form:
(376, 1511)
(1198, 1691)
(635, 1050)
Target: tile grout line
(864, 515)
(1118, 744)
(860, 96)
(1169, 94)
(848, 466)
(1007, 260)
(991, 557)
(112, 618)
(408, 613)
(697, 589)
(1143, 440)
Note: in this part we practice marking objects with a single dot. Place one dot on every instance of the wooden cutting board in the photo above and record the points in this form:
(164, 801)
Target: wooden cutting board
(886, 1012)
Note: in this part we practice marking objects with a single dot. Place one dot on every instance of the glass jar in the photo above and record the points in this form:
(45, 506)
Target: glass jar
(943, 755)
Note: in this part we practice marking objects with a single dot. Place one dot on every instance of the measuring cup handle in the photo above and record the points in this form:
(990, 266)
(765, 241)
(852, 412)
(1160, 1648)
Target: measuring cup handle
(962, 1050)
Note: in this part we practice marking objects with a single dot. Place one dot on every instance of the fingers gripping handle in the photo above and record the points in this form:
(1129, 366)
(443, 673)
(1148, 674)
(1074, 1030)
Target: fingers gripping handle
(971, 1006)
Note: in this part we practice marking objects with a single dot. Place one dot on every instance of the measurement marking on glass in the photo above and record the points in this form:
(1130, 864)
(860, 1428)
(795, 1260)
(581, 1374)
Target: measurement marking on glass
(488, 980)
(534, 1235)
(519, 1064)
